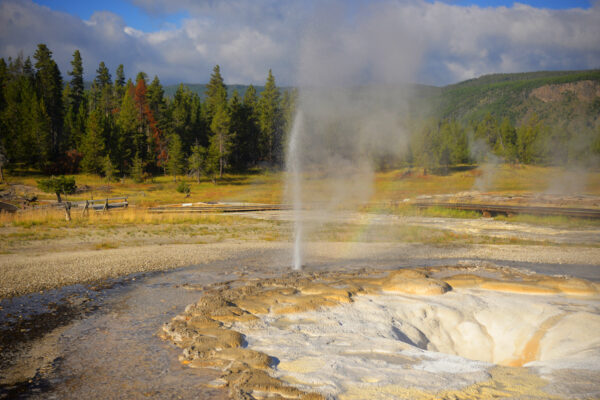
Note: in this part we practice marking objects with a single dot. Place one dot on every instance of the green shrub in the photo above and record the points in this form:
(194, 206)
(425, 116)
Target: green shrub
(57, 185)
(183, 187)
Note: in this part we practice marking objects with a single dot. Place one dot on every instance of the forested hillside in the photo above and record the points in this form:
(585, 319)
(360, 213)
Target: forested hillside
(515, 96)
(55, 123)
(548, 117)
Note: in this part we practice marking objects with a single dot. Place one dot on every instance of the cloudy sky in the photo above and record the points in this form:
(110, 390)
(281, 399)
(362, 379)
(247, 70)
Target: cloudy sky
(308, 41)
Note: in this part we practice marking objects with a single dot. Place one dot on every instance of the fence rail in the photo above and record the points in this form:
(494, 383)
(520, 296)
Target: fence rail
(104, 204)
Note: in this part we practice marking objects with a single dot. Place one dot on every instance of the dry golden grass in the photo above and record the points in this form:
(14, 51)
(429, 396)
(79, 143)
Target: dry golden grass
(390, 189)
(55, 218)
(258, 188)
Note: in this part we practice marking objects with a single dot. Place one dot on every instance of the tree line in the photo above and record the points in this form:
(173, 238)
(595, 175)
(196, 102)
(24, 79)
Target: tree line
(436, 145)
(123, 127)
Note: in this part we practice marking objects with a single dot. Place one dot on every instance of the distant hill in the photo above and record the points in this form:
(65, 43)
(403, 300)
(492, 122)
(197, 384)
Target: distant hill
(555, 96)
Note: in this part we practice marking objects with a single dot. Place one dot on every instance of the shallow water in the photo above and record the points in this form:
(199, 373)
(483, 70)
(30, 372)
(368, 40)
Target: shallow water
(112, 351)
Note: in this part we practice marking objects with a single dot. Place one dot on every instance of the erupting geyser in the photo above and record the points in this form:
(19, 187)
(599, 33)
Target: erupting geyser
(294, 187)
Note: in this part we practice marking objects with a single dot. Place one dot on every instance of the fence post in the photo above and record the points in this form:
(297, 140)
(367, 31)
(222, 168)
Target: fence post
(68, 211)
(85, 211)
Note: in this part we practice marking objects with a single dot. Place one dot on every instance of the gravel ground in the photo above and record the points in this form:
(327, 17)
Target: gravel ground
(23, 273)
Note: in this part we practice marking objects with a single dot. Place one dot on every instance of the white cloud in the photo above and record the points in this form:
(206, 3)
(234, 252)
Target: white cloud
(310, 41)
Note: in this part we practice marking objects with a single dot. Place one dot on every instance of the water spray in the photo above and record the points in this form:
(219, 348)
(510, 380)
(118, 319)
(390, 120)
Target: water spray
(294, 187)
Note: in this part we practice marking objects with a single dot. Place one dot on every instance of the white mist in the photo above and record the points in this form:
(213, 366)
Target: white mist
(294, 187)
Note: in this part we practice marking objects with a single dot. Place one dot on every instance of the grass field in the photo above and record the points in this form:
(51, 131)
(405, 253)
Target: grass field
(390, 189)
(268, 187)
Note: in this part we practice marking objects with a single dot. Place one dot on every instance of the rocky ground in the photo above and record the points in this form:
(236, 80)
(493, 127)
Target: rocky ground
(50, 286)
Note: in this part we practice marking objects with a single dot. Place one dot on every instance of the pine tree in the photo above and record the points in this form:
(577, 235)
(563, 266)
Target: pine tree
(244, 134)
(120, 82)
(49, 88)
(130, 140)
(212, 159)
(176, 161)
(220, 142)
(109, 169)
(216, 94)
(270, 122)
(137, 169)
(76, 95)
(508, 136)
(103, 77)
(156, 150)
(530, 141)
(38, 130)
(250, 98)
(196, 161)
(180, 112)
(157, 104)
(93, 145)
(142, 76)
(155, 96)
(186, 118)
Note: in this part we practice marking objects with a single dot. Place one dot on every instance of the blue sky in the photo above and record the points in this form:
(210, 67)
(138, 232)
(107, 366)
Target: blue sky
(135, 16)
(143, 20)
(308, 41)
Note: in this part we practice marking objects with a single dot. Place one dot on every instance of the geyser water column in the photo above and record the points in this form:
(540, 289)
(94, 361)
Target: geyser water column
(294, 186)
(353, 66)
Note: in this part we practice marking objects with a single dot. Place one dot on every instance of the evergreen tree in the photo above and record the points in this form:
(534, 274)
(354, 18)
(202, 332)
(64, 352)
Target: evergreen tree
(196, 161)
(131, 141)
(103, 77)
(251, 99)
(530, 141)
(109, 169)
(216, 94)
(186, 118)
(155, 96)
(137, 169)
(93, 145)
(245, 134)
(212, 159)
(220, 142)
(38, 142)
(142, 76)
(74, 101)
(156, 149)
(157, 104)
(49, 88)
(77, 88)
(120, 82)
(270, 122)
(508, 136)
(176, 161)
